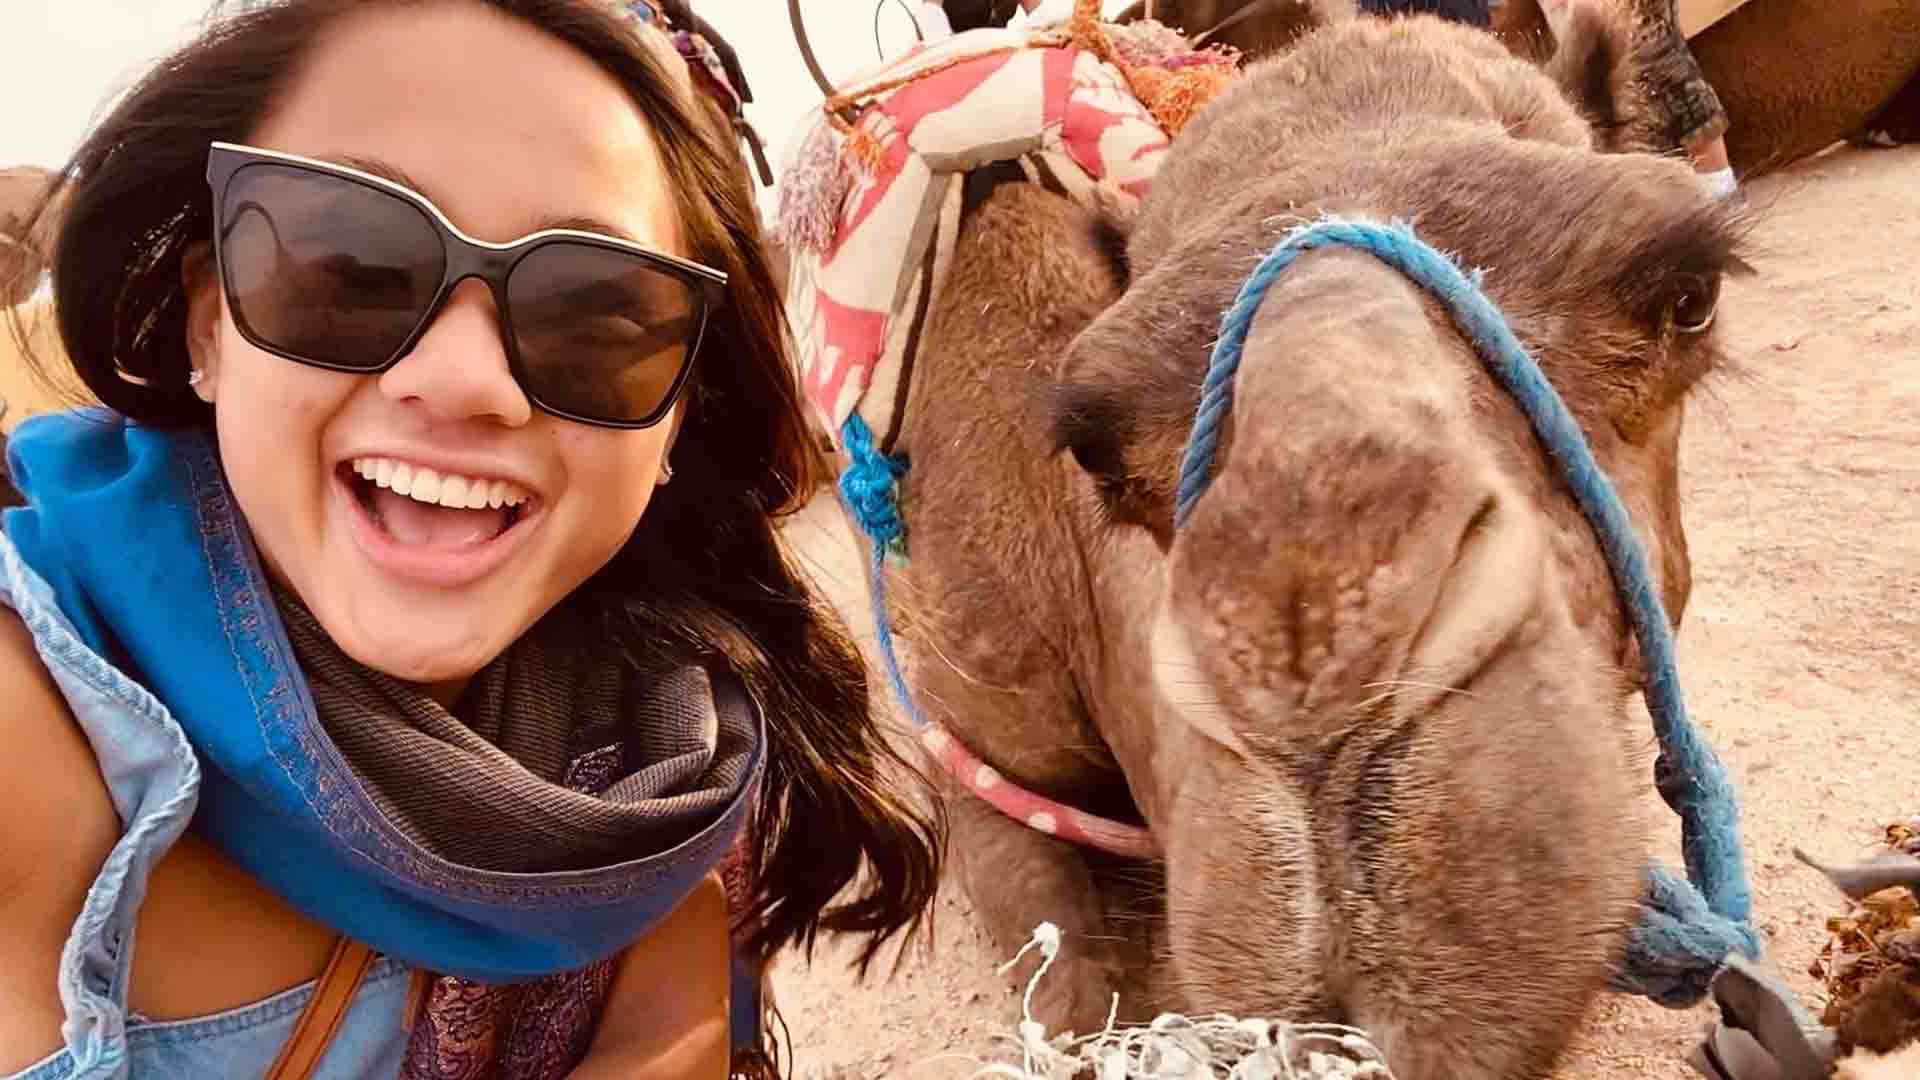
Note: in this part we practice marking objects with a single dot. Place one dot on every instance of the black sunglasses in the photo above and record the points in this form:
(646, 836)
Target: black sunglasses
(340, 269)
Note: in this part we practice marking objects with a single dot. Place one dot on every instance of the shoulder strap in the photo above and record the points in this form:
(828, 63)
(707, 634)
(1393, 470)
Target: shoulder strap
(333, 994)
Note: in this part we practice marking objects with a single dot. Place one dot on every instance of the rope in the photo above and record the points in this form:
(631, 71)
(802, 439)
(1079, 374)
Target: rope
(1687, 928)
(867, 492)
(867, 489)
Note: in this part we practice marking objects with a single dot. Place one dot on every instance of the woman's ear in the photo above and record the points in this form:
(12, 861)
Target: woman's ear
(673, 436)
(200, 282)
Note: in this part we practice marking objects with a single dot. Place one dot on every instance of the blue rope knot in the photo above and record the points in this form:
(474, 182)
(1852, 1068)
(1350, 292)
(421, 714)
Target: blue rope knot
(1687, 928)
(867, 485)
(867, 491)
(1679, 943)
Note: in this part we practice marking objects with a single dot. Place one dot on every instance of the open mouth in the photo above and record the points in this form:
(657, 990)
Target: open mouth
(422, 508)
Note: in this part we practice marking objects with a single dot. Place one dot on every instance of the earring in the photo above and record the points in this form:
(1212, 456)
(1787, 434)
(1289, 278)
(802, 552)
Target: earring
(666, 472)
(194, 378)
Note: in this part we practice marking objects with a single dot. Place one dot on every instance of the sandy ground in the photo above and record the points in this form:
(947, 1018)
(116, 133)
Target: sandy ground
(1802, 488)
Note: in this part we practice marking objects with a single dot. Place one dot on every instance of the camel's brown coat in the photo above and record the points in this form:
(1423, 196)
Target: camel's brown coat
(1798, 75)
(1372, 700)
(21, 248)
(1793, 76)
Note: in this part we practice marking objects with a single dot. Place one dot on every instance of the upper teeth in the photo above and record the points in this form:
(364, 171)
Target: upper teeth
(422, 484)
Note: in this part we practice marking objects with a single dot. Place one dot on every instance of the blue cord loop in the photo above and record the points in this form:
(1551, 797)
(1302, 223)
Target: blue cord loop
(1687, 928)
(1679, 943)
(867, 486)
(867, 490)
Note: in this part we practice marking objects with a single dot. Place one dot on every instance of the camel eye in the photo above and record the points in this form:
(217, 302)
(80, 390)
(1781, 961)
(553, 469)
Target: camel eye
(1694, 303)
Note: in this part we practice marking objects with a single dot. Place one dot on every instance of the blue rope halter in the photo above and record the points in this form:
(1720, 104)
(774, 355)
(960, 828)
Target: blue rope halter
(1687, 927)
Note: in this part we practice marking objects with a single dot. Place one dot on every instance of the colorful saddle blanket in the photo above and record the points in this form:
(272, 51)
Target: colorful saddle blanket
(869, 206)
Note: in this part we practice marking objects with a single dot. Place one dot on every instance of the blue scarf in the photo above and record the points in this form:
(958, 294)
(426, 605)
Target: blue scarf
(139, 538)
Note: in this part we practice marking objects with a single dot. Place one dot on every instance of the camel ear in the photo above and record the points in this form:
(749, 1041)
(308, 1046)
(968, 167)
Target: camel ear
(1109, 229)
(1122, 409)
(1102, 430)
(1592, 63)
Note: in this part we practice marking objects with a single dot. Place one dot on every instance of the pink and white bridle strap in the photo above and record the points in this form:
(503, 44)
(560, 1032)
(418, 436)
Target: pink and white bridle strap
(1034, 811)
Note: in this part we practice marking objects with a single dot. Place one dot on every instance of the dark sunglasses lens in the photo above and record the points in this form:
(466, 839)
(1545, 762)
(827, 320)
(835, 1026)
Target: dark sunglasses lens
(602, 334)
(323, 267)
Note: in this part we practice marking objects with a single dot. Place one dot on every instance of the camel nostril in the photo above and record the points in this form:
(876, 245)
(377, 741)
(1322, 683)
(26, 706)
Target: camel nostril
(1487, 592)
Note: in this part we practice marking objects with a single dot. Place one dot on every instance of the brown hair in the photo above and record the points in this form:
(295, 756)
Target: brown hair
(705, 575)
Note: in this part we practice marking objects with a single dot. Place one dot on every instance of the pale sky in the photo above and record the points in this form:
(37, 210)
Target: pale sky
(68, 59)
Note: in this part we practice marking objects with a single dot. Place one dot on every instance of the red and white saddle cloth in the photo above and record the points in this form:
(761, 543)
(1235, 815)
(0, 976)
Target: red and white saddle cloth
(869, 208)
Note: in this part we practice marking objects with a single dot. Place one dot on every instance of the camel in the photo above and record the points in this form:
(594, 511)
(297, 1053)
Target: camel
(1778, 79)
(1680, 109)
(21, 258)
(1794, 79)
(24, 242)
(1791, 77)
(1371, 701)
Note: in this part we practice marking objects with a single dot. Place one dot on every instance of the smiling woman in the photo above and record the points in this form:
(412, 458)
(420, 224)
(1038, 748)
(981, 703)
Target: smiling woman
(409, 639)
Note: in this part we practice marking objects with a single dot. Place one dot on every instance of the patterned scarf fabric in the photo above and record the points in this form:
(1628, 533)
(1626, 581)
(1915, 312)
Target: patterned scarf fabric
(559, 757)
(869, 207)
(562, 757)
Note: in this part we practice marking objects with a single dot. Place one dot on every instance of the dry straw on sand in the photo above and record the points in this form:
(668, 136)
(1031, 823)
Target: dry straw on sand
(1175, 1047)
(1870, 964)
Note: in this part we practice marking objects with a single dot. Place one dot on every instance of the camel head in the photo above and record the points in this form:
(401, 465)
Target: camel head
(1386, 599)
(23, 243)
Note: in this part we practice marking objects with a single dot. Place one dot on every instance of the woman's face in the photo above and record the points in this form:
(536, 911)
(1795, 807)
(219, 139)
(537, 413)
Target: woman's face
(504, 128)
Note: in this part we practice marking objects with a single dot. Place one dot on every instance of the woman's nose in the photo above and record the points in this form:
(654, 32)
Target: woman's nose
(458, 369)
